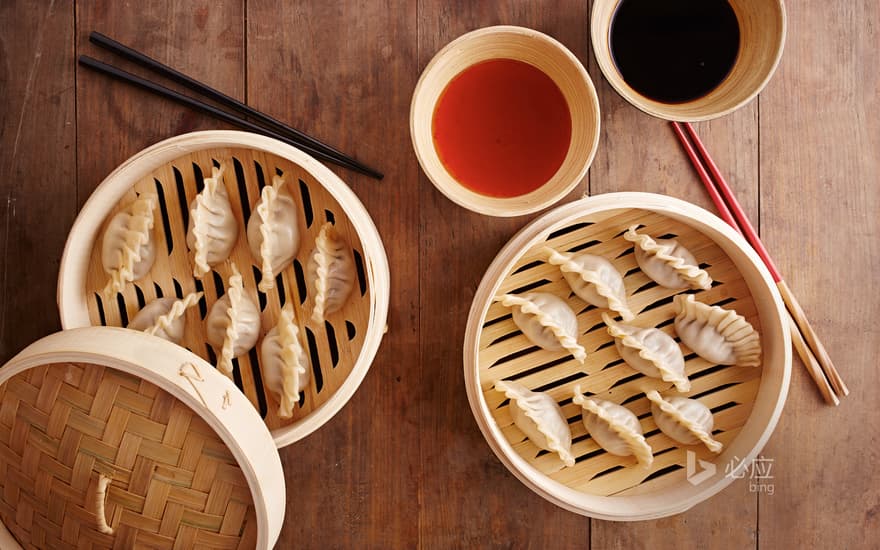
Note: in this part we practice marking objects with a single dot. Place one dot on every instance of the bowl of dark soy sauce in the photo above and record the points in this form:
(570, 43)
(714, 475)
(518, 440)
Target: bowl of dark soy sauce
(688, 60)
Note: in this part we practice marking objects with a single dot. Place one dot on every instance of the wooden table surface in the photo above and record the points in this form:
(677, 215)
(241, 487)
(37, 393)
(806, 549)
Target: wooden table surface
(403, 465)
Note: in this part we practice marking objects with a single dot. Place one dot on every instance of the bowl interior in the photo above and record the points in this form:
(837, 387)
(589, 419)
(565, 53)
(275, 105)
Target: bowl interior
(743, 399)
(762, 36)
(538, 50)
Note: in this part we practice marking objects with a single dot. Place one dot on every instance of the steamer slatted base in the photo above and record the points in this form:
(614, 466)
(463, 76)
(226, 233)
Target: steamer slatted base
(334, 346)
(505, 354)
(174, 483)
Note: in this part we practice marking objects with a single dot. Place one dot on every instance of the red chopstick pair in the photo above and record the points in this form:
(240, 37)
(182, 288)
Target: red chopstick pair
(804, 338)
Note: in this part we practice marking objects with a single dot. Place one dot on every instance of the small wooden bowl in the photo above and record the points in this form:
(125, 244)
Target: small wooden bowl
(746, 401)
(762, 28)
(189, 462)
(535, 48)
(341, 349)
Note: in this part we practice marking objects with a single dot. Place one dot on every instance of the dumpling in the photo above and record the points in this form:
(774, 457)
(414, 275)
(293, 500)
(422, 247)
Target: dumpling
(667, 262)
(593, 279)
(546, 320)
(128, 249)
(272, 232)
(233, 323)
(213, 229)
(285, 363)
(685, 420)
(540, 418)
(718, 335)
(650, 351)
(614, 428)
(331, 273)
(164, 317)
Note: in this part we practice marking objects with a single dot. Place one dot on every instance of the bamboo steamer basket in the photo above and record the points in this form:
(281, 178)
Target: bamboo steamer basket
(187, 460)
(341, 349)
(746, 401)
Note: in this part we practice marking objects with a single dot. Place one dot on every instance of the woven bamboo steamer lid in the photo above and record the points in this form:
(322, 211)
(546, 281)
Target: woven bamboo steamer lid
(746, 401)
(185, 458)
(342, 349)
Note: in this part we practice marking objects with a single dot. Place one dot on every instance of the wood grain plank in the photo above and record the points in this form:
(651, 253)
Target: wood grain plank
(819, 203)
(202, 38)
(343, 72)
(640, 153)
(468, 498)
(37, 165)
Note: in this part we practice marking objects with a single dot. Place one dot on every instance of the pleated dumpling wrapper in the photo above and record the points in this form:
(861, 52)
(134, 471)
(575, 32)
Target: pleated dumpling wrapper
(593, 279)
(614, 428)
(546, 320)
(164, 317)
(128, 249)
(285, 363)
(331, 273)
(213, 228)
(684, 420)
(273, 232)
(718, 335)
(650, 351)
(540, 418)
(667, 262)
(233, 323)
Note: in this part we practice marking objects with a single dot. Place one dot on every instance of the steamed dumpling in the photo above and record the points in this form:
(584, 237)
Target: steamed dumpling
(718, 335)
(285, 363)
(331, 273)
(233, 323)
(272, 232)
(546, 320)
(540, 418)
(128, 249)
(650, 351)
(684, 420)
(667, 262)
(614, 428)
(164, 317)
(593, 279)
(213, 229)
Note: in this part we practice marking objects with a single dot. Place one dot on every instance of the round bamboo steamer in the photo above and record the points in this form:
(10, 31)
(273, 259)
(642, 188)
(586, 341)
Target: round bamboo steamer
(762, 27)
(187, 460)
(341, 349)
(746, 401)
(534, 48)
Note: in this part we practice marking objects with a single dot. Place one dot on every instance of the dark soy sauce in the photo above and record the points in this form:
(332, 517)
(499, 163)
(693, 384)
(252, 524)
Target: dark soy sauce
(674, 51)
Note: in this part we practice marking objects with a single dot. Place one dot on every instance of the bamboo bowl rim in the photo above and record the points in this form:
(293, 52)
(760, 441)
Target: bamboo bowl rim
(771, 393)
(216, 399)
(715, 104)
(85, 233)
(533, 47)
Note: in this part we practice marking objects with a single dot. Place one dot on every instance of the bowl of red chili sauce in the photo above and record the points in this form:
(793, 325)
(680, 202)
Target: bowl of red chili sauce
(505, 121)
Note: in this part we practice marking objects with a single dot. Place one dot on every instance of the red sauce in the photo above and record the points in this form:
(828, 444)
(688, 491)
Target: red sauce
(502, 128)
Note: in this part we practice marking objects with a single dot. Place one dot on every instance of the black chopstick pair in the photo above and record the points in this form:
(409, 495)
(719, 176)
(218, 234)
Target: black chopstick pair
(267, 126)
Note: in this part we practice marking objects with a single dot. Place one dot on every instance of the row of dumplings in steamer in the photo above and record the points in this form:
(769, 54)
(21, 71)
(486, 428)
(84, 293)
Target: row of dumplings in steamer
(128, 252)
(716, 334)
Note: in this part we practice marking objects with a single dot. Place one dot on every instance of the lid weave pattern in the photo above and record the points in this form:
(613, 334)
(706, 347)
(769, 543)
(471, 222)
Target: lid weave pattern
(173, 482)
